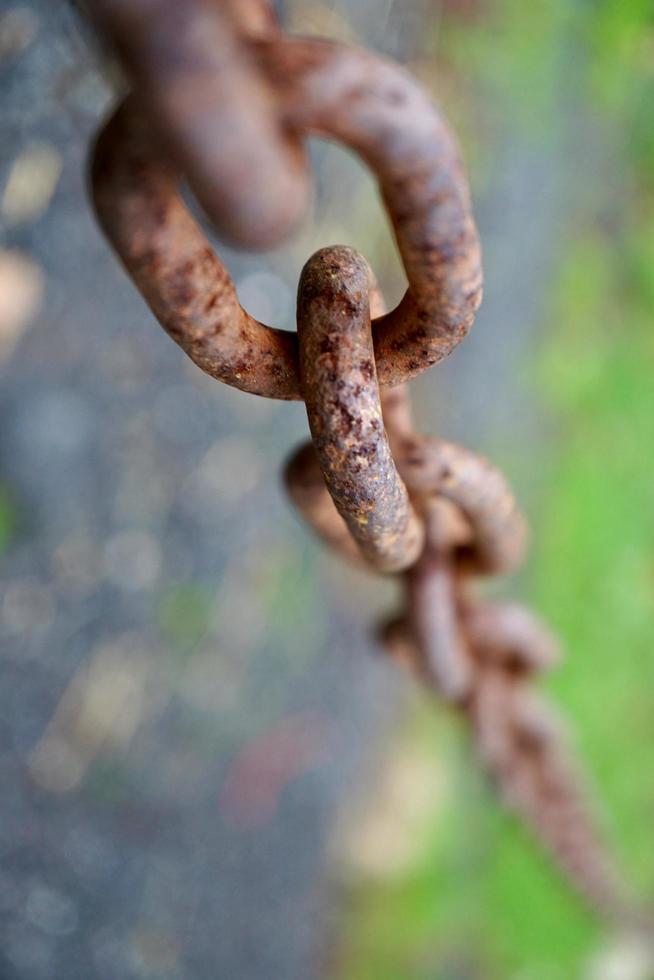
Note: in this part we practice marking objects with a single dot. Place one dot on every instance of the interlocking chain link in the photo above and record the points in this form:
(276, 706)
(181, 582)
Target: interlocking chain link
(220, 97)
(312, 87)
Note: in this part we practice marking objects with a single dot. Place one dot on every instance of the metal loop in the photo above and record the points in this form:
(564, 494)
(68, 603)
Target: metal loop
(306, 487)
(333, 91)
(223, 99)
(219, 119)
(433, 468)
(341, 394)
(510, 636)
(494, 540)
(433, 612)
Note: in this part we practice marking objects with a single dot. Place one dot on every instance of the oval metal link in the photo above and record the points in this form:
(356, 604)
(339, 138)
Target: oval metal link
(336, 92)
(219, 119)
(434, 468)
(223, 99)
(341, 394)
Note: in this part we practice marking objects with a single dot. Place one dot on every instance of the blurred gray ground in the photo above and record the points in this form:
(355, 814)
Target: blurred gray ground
(188, 690)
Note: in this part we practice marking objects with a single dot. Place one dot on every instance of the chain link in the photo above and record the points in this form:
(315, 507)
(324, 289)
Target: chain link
(221, 97)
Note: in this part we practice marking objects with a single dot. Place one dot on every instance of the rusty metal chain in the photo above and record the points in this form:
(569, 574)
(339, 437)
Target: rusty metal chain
(221, 97)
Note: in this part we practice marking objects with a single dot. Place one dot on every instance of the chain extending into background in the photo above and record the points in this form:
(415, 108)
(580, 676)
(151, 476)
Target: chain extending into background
(221, 97)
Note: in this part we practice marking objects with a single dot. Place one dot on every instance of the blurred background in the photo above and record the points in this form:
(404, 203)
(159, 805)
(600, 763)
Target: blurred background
(207, 769)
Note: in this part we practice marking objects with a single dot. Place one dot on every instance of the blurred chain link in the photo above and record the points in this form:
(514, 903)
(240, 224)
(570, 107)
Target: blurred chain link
(221, 97)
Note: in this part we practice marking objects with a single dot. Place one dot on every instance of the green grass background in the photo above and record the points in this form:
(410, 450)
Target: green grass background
(480, 901)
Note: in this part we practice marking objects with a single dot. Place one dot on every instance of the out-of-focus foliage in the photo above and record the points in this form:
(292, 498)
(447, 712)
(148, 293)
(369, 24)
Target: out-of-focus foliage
(7, 518)
(478, 901)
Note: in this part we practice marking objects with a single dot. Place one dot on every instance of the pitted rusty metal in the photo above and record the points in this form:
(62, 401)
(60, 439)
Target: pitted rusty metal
(518, 739)
(179, 275)
(478, 656)
(307, 489)
(341, 394)
(485, 528)
(328, 90)
(222, 98)
(373, 106)
(435, 468)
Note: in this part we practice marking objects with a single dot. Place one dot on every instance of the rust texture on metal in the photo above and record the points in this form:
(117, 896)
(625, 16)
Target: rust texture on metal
(480, 657)
(177, 272)
(325, 89)
(220, 121)
(307, 489)
(341, 394)
(222, 98)
(434, 467)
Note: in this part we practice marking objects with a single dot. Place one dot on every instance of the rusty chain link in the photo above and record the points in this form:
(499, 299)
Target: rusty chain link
(223, 99)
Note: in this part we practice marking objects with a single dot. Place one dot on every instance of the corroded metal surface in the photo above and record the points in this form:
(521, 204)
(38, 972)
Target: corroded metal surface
(223, 98)
(433, 467)
(306, 488)
(481, 657)
(341, 394)
(329, 90)
(179, 275)
(485, 664)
